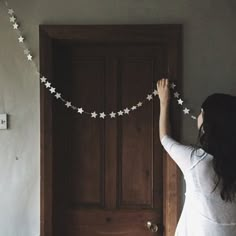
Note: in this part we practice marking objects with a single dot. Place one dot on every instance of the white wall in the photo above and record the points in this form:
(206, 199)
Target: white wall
(209, 66)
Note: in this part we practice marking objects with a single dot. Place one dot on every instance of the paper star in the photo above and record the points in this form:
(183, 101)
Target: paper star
(48, 85)
(112, 115)
(57, 95)
(180, 101)
(21, 39)
(176, 95)
(94, 114)
(155, 92)
(149, 97)
(133, 108)
(29, 57)
(43, 79)
(120, 113)
(68, 104)
(15, 26)
(12, 19)
(186, 110)
(172, 85)
(80, 110)
(52, 90)
(194, 117)
(10, 11)
(126, 110)
(139, 104)
(26, 51)
(102, 115)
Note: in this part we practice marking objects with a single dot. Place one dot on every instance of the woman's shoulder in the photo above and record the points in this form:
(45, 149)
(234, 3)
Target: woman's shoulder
(199, 155)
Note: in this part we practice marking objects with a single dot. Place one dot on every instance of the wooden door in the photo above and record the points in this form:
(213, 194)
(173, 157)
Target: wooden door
(106, 174)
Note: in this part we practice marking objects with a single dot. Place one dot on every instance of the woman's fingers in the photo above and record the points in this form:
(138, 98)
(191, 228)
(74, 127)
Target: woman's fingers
(167, 82)
(163, 82)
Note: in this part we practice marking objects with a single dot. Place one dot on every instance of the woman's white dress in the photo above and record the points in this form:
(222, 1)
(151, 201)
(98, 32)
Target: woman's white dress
(204, 212)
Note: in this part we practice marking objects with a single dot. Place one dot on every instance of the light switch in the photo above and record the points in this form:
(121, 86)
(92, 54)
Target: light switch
(3, 121)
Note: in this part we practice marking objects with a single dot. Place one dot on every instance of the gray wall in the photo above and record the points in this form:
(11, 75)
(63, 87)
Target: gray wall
(209, 66)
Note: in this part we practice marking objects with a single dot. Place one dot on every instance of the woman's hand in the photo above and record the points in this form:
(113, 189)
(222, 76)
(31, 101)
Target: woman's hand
(163, 91)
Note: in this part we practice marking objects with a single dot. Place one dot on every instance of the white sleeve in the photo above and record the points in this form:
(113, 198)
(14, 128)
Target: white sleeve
(181, 154)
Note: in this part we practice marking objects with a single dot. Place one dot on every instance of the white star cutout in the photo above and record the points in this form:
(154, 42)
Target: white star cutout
(29, 57)
(102, 115)
(180, 101)
(139, 104)
(94, 114)
(120, 113)
(68, 104)
(176, 95)
(80, 110)
(133, 108)
(155, 93)
(15, 26)
(10, 11)
(48, 85)
(149, 97)
(12, 19)
(126, 110)
(57, 95)
(194, 117)
(21, 39)
(26, 51)
(112, 114)
(43, 79)
(52, 90)
(186, 110)
(172, 85)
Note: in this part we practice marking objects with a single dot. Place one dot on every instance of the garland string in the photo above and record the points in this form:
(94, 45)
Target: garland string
(80, 110)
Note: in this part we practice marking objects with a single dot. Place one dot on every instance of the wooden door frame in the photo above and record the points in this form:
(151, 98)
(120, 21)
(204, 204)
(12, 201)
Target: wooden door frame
(167, 34)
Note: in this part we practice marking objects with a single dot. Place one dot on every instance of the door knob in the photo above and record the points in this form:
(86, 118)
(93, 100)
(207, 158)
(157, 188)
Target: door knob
(152, 227)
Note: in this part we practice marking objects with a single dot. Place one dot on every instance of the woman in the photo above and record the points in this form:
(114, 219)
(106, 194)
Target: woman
(209, 170)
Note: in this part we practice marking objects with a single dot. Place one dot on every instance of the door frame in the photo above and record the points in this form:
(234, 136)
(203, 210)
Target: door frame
(169, 35)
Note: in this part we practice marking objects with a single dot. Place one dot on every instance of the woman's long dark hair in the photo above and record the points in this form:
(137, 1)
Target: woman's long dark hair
(217, 136)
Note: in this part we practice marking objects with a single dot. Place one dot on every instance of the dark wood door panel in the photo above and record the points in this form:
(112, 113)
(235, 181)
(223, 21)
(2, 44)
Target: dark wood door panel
(111, 222)
(105, 177)
(136, 133)
(134, 71)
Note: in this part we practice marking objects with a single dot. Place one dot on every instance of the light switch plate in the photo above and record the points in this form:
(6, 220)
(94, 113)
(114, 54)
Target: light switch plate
(3, 121)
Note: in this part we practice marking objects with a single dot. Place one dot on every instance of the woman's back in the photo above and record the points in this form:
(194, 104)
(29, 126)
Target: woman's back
(209, 203)
(204, 212)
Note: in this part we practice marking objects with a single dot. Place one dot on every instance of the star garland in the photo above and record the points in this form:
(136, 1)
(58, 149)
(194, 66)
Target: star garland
(80, 110)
